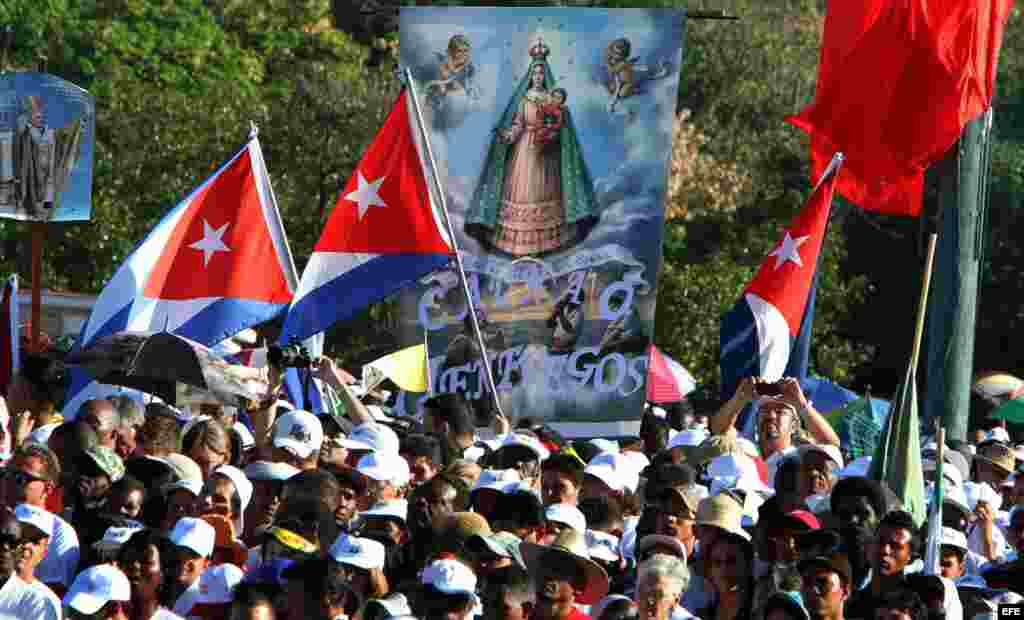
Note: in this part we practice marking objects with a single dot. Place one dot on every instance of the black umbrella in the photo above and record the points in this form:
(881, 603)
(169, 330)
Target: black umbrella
(154, 363)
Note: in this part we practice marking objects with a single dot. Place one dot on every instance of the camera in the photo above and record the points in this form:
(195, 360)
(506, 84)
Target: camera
(292, 355)
(768, 389)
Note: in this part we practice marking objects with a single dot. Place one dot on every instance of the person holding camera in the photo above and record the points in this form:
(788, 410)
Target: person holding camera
(782, 410)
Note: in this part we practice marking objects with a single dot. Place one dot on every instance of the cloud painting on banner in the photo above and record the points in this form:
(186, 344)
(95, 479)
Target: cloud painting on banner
(552, 130)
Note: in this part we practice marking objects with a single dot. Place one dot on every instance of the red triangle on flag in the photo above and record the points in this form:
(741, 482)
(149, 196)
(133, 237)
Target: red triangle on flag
(221, 245)
(385, 206)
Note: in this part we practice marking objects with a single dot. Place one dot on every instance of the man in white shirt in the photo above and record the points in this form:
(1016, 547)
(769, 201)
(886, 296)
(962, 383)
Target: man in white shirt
(30, 478)
(19, 599)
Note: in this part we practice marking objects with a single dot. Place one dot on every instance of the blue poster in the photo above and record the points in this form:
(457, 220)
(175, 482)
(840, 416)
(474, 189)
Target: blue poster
(46, 148)
(552, 132)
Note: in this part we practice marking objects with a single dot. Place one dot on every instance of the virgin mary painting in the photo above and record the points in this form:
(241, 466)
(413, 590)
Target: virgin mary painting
(535, 195)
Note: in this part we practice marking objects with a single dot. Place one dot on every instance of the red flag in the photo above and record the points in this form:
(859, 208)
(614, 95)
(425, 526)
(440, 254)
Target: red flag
(898, 80)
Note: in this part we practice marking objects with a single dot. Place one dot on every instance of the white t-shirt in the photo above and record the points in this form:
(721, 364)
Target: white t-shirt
(20, 600)
(61, 562)
(164, 614)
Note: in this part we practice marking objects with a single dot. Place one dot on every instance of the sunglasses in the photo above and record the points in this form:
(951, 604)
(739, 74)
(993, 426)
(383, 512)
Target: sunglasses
(21, 478)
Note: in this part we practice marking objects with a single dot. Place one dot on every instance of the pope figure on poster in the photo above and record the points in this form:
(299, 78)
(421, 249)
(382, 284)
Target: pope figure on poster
(535, 195)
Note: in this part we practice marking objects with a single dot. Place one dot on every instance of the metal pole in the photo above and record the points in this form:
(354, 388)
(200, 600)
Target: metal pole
(38, 236)
(485, 360)
(953, 308)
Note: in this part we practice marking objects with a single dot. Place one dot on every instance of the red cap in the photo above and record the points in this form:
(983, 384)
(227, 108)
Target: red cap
(804, 517)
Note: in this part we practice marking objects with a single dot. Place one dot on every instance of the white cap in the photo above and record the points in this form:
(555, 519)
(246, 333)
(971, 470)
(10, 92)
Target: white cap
(627, 469)
(998, 434)
(243, 486)
(248, 441)
(954, 538)
(268, 470)
(638, 460)
(830, 451)
(385, 467)
(95, 587)
(567, 514)
(450, 577)
(217, 584)
(982, 492)
(737, 470)
(397, 509)
(299, 432)
(361, 552)
(496, 479)
(527, 441)
(603, 546)
(36, 517)
(194, 534)
(690, 437)
(608, 475)
(115, 536)
(372, 436)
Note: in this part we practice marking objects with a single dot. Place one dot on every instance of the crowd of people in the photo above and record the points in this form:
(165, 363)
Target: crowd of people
(147, 512)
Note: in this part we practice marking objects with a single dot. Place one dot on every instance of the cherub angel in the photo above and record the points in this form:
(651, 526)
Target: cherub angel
(625, 74)
(456, 71)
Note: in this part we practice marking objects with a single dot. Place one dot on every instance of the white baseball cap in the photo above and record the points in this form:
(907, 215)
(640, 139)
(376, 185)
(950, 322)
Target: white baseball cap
(243, 486)
(217, 584)
(604, 445)
(194, 534)
(628, 468)
(362, 552)
(195, 487)
(299, 432)
(397, 509)
(95, 587)
(451, 577)
(607, 474)
(269, 470)
(737, 470)
(982, 492)
(372, 436)
(527, 441)
(115, 537)
(831, 452)
(385, 467)
(36, 517)
(603, 546)
(954, 538)
(690, 437)
(567, 514)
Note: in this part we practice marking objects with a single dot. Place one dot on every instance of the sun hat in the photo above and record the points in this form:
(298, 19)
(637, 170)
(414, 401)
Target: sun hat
(724, 512)
(501, 544)
(95, 587)
(362, 552)
(194, 534)
(567, 514)
(108, 462)
(572, 545)
(299, 432)
(270, 471)
(36, 517)
(385, 467)
(996, 453)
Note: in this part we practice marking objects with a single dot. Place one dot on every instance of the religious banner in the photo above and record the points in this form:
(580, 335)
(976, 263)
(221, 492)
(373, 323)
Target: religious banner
(46, 148)
(552, 132)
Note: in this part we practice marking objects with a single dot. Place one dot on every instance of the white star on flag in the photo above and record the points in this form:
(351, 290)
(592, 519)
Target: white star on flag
(366, 194)
(789, 251)
(212, 241)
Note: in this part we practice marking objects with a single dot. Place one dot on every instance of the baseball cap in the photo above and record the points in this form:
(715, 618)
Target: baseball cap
(108, 461)
(217, 584)
(361, 552)
(268, 470)
(602, 545)
(514, 441)
(605, 445)
(805, 518)
(953, 538)
(195, 487)
(835, 560)
(194, 534)
(451, 577)
(385, 467)
(372, 436)
(115, 537)
(397, 510)
(567, 514)
(95, 587)
(36, 517)
(299, 432)
(612, 478)
(831, 452)
(184, 467)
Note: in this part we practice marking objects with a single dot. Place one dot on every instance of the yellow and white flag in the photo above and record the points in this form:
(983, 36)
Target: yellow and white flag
(407, 368)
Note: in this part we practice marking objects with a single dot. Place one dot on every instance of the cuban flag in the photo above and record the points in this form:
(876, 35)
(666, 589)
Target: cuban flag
(218, 263)
(767, 333)
(382, 235)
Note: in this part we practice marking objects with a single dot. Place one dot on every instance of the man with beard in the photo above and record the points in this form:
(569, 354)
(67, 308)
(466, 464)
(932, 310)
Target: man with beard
(898, 543)
(429, 504)
(778, 417)
(18, 599)
(857, 505)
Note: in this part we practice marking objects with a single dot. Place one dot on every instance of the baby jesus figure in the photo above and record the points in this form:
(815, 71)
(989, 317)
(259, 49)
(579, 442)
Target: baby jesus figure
(553, 112)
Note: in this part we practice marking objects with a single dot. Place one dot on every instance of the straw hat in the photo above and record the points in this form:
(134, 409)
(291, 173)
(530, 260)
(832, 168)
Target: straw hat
(996, 453)
(723, 512)
(573, 545)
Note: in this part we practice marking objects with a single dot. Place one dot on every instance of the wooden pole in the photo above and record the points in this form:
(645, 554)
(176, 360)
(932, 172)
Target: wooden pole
(922, 307)
(38, 236)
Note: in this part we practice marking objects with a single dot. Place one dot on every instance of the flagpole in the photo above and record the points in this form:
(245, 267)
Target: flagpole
(484, 358)
(915, 352)
(426, 353)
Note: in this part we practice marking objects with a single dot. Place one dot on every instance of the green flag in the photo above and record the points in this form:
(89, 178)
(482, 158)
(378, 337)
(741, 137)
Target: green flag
(897, 460)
